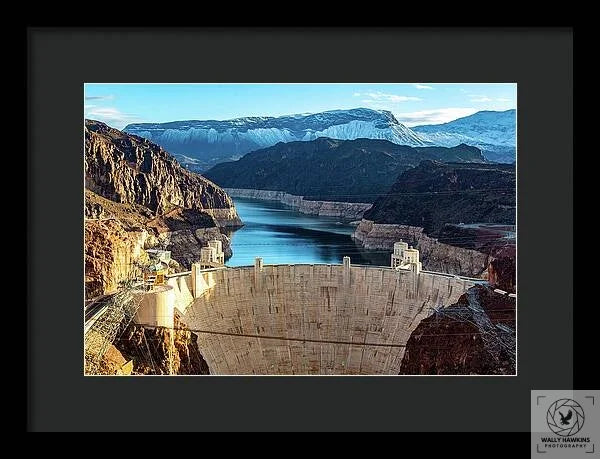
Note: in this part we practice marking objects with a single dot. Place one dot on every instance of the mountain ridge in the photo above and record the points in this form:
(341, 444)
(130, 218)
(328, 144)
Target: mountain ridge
(199, 144)
(434, 194)
(492, 131)
(130, 169)
(328, 169)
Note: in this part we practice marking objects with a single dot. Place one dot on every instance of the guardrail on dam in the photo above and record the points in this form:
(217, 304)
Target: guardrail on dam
(301, 319)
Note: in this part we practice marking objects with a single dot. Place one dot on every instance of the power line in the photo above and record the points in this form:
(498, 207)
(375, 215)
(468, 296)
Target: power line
(149, 354)
(310, 340)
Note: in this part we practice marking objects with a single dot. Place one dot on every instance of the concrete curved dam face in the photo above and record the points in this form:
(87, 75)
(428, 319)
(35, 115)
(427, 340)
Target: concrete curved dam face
(308, 319)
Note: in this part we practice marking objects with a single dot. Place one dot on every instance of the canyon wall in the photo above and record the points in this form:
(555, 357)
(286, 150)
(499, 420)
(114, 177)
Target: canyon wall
(162, 351)
(434, 194)
(137, 197)
(116, 236)
(474, 336)
(434, 255)
(342, 210)
(129, 169)
(502, 273)
(185, 244)
(311, 319)
(110, 255)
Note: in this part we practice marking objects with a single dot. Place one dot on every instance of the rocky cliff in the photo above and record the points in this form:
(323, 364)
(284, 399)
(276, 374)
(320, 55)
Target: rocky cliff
(139, 197)
(185, 232)
(459, 216)
(113, 363)
(332, 170)
(433, 194)
(501, 272)
(435, 255)
(111, 252)
(476, 335)
(117, 234)
(342, 210)
(128, 169)
(162, 351)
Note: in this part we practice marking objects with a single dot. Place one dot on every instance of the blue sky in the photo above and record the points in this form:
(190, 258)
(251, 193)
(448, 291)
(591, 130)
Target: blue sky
(411, 103)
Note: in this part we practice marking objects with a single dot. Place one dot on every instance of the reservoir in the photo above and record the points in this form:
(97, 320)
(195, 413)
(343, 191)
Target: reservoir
(280, 235)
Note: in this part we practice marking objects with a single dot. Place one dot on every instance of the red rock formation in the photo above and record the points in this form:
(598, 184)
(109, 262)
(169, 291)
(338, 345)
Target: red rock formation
(476, 335)
(113, 363)
(501, 273)
(162, 351)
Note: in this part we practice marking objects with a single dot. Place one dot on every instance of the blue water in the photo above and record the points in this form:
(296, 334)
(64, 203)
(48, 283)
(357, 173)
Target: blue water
(281, 235)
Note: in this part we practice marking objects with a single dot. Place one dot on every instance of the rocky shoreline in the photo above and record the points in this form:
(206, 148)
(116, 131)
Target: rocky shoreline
(226, 217)
(343, 210)
(435, 256)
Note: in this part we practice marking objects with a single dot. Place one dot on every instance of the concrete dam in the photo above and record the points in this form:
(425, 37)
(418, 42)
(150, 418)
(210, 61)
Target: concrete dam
(301, 319)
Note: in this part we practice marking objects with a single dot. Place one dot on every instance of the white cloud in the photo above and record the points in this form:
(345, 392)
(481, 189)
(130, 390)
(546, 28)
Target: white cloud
(462, 90)
(110, 115)
(384, 97)
(107, 97)
(436, 116)
(376, 104)
(480, 98)
(503, 99)
(423, 86)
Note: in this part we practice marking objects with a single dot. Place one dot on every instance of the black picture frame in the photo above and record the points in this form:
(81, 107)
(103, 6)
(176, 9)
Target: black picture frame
(61, 60)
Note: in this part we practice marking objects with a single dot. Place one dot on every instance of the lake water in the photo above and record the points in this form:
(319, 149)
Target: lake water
(281, 235)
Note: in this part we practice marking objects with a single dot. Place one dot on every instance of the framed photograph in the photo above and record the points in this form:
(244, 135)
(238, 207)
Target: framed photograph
(300, 229)
(353, 229)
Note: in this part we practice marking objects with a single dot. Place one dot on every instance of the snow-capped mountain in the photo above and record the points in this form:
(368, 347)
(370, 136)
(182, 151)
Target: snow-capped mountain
(493, 132)
(201, 144)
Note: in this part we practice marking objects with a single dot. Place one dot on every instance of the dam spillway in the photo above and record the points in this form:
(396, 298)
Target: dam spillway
(305, 319)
